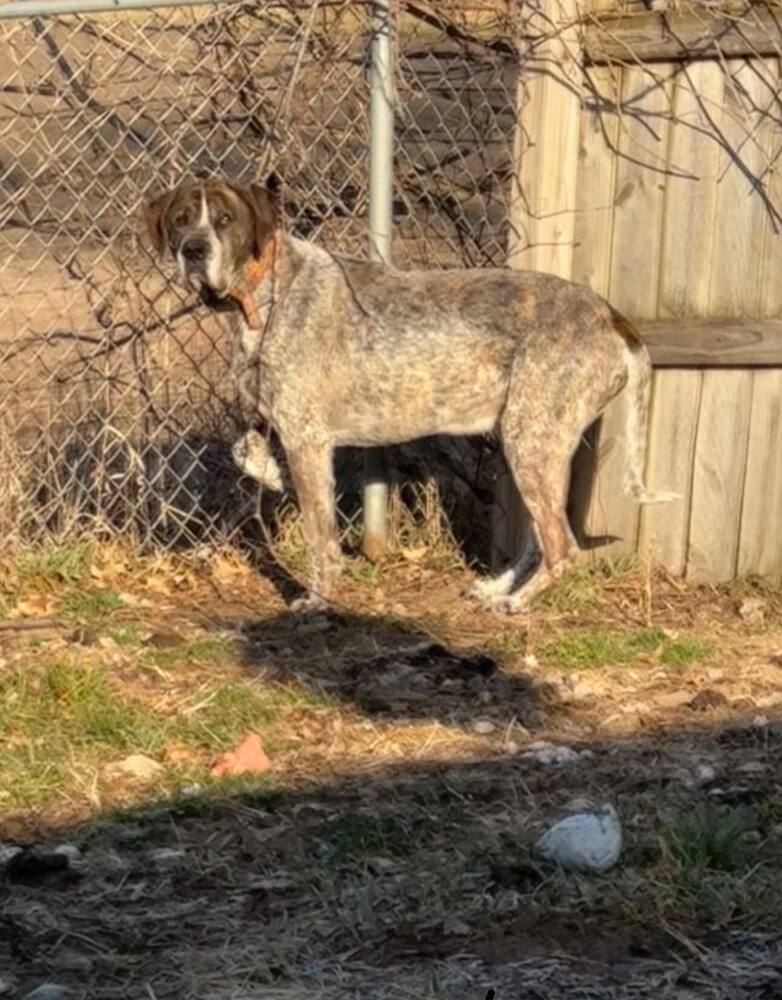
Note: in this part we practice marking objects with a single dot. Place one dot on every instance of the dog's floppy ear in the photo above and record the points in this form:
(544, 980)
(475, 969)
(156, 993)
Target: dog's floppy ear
(265, 204)
(155, 213)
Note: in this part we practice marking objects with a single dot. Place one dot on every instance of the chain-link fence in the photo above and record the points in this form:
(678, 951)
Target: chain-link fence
(117, 409)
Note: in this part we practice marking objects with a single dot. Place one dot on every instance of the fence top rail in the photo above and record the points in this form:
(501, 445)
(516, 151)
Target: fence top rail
(52, 8)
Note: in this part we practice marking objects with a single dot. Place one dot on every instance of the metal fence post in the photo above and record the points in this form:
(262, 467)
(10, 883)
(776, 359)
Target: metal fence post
(381, 195)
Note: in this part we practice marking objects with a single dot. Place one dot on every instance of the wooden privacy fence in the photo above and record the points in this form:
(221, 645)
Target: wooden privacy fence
(649, 160)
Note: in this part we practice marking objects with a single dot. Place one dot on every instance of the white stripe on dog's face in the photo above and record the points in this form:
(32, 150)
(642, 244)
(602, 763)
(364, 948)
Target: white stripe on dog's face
(214, 258)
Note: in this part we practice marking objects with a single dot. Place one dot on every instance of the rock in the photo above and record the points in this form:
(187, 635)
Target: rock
(7, 853)
(69, 851)
(673, 699)
(137, 766)
(48, 991)
(704, 773)
(547, 753)
(707, 700)
(249, 757)
(752, 767)
(585, 842)
(483, 727)
(752, 611)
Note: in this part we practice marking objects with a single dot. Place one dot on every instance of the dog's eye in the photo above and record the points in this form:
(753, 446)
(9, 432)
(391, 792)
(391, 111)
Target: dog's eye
(224, 220)
(181, 219)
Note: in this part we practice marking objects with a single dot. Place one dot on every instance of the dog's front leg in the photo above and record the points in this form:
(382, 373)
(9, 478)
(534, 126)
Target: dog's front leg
(312, 471)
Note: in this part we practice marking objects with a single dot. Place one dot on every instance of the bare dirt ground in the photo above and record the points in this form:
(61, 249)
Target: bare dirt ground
(388, 851)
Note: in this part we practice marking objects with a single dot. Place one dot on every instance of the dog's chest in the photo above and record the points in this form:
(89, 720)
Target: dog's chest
(251, 367)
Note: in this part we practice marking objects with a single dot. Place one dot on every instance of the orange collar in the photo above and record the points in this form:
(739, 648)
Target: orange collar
(254, 272)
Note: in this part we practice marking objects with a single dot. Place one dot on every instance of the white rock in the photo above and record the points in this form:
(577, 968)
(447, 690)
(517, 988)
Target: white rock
(705, 773)
(585, 842)
(47, 991)
(69, 851)
(548, 753)
(7, 853)
(483, 727)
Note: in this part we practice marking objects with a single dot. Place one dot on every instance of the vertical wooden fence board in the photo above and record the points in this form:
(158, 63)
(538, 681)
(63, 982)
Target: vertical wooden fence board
(597, 164)
(718, 475)
(760, 541)
(760, 538)
(632, 285)
(690, 193)
(673, 424)
(736, 260)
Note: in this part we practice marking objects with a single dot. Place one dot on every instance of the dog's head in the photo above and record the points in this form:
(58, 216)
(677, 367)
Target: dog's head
(213, 230)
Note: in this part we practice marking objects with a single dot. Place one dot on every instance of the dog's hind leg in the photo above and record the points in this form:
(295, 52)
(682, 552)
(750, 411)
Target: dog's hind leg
(312, 471)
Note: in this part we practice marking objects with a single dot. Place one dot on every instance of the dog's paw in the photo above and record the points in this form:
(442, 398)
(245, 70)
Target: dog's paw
(506, 604)
(488, 588)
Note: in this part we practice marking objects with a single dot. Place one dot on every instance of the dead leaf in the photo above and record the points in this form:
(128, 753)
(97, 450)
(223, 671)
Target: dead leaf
(249, 757)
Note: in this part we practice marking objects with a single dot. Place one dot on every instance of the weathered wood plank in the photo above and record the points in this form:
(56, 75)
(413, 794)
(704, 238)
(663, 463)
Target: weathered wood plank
(713, 343)
(658, 36)
(736, 272)
(718, 475)
(597, 165)
(633, 287)
(760, 540)
(691, 193)
(543, 206)
(673, 424)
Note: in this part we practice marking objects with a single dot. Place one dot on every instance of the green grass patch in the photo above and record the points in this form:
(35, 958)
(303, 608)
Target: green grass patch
(200, 651)
(91, 604)
(64, 564)
(61, 723)
(353, 835)
(707, 839)
(601, 648)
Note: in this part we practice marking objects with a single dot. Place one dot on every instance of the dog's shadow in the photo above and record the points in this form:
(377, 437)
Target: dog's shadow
(391, 669)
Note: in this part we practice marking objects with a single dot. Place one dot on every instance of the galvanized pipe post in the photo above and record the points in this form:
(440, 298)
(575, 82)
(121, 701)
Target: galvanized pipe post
(381, 202)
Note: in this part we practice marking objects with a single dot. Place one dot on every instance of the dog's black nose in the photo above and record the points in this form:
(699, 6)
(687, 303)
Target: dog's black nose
(194, 250)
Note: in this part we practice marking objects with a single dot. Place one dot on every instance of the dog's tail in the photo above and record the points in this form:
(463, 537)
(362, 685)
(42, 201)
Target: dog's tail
(639, 387)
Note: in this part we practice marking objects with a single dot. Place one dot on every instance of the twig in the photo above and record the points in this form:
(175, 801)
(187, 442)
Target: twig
(28, 624)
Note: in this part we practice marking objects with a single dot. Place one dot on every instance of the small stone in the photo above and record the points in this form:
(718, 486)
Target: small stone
(167, 857)
(48, 991)
(511, 747)
(547, 753)
(138, 767)
(707, 700)
(673, 699)
(7, 853)
(69, 851)
(585, 842)
(752, 836)
(483, 727)
(752, 611)
(705, 773)
(760, 721)
(452, 685)
(752, 767)
(531, 661)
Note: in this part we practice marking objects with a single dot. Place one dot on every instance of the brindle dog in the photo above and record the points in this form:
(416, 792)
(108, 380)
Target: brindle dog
(337, 352)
